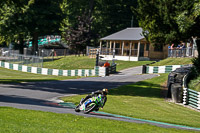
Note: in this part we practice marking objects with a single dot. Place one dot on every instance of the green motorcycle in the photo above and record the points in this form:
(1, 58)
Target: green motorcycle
(91, 104)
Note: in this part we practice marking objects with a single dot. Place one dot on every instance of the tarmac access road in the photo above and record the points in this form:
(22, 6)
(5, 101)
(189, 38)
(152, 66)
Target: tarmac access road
(43, 95)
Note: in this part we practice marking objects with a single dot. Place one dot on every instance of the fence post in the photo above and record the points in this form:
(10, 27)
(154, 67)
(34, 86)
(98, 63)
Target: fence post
(144, 69)
(97, 57)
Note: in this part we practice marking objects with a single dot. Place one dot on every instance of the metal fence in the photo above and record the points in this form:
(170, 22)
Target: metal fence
(49, 52)
(190, 97)
(36, 61)
(185, 52)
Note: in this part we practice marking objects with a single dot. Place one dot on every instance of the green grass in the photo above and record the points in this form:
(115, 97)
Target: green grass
(127, 64)
(84, 62)
(173, 61)
(70, 62)
(27, 121)
(143, 100)
(194, 84)
(10, 76)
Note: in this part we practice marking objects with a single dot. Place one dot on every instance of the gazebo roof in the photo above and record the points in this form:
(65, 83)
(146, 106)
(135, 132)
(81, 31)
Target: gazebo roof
(126, 34)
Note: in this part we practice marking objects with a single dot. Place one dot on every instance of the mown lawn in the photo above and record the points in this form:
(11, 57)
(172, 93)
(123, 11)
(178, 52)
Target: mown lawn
(12, 76)
(28, 121)
(143, 100)
(84, 62)
(173, 61)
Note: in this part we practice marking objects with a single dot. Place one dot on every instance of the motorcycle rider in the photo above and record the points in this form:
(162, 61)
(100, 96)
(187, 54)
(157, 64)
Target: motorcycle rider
(103, 92)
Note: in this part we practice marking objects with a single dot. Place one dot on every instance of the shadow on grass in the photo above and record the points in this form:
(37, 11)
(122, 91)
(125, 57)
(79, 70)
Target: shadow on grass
(142, 88)
(48, 89)
(13, 99)
(13, 81)
(51, 59)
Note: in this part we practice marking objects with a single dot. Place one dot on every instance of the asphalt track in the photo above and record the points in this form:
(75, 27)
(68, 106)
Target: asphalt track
(43, 95)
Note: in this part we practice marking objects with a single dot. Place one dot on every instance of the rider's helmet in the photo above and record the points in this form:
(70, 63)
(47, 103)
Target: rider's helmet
(105, 91)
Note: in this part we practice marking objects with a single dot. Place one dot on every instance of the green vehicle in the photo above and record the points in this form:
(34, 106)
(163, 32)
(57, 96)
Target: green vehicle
(91, 104)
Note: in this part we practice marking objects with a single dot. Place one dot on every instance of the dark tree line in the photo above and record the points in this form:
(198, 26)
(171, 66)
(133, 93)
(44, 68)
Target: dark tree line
(83, 22)
(23, 20)
(170, 21)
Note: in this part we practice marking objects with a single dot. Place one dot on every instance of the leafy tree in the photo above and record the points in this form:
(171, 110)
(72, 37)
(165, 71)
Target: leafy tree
(108, 16)
(159, 18)
(189, 23)
(44, 18)
(170, 21)
(77, 37)
(34, 18)
(111, 16)
(12, 22)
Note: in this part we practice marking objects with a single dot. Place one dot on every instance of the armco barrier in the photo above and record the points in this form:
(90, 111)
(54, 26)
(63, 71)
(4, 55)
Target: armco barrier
(161, 69)
(190, 97)
(97, 71)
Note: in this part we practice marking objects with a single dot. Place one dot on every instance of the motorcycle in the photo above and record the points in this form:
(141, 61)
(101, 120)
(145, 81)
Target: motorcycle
(91, 104)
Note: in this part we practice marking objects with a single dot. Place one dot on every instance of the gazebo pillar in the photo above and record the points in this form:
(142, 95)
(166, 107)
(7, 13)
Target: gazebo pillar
(114, 45)
(130, 49)
(114, 49)
(106, 47)
(110, 47)
(138, 54)
(122, 48)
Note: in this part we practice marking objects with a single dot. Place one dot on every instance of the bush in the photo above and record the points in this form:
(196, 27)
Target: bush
(196, 64)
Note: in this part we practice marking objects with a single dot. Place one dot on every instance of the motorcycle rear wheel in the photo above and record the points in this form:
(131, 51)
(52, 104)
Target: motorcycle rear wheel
(89, 108)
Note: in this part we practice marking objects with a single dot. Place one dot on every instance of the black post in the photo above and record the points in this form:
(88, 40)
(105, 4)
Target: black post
(144, 69)
(97, 57)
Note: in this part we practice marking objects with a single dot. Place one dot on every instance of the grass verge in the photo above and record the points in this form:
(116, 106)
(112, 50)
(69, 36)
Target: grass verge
(173, 61)
(84, 62)
(143, 100)
(194, 84)
(10, 76)
(27, 121)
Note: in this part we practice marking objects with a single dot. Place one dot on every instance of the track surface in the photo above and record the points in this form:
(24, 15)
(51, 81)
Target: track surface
(43, 95)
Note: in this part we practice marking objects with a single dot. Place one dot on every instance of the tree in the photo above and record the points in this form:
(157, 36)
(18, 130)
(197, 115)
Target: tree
(189, 23)
(108, 16)
(170, 21)
(158, 17)
(112, 16)
(30, 18)
(44, 18)
(77, 37)
(12, 26)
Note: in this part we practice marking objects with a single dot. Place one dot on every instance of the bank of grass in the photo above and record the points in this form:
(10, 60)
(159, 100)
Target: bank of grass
(194, 84)
(28, 121)
(173, 61)
(84, 62)
(143, 100)
(12, 76)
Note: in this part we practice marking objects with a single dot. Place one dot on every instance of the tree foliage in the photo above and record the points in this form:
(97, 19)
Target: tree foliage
(24, 19)
(163, 19)
(20, 19)
(77, 36)
(170, 21)
(108, 16)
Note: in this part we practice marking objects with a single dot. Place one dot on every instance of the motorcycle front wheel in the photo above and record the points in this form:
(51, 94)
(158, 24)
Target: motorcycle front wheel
(77, 108)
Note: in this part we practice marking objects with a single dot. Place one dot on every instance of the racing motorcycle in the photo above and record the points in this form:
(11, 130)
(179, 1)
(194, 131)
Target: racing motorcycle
(91, 104)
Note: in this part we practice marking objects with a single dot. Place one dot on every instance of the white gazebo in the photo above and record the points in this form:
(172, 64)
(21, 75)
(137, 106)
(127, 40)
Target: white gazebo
(128, 44)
